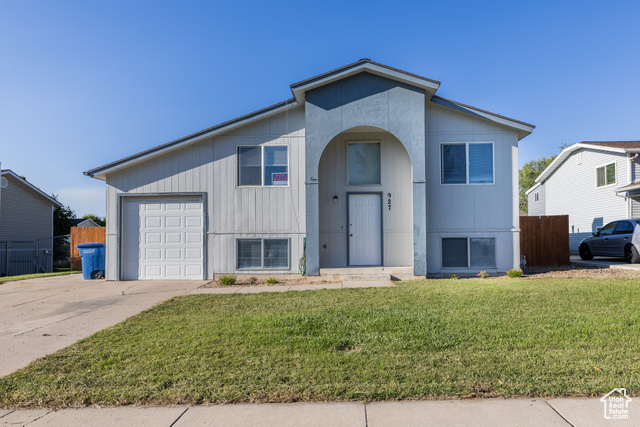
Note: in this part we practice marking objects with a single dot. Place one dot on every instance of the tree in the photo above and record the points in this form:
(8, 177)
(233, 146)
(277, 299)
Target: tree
(95, 218)
(62, 222)
(527, 177)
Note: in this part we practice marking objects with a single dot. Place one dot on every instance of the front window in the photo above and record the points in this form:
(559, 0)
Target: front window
(608, 229)
(472, 252)
(467, 163)
(606, 175)
(266, 165)
(262, 254)
(364, 163)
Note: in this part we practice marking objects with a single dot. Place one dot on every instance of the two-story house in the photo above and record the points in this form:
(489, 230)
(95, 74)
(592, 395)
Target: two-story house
(364, 166)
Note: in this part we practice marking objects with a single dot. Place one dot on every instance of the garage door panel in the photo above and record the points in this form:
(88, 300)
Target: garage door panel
(163, 239)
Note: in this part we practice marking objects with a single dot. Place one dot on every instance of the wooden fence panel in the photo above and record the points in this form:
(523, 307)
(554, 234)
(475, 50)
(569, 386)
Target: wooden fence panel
(84, 235)
(544, 240)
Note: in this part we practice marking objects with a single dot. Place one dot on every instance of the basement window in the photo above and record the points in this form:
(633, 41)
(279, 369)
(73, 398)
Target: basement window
(469, 252)
(263, 254)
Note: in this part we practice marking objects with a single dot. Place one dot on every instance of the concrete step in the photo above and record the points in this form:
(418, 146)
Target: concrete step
(365, 277)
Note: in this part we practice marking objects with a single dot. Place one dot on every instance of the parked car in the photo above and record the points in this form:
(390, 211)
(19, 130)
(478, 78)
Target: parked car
(616, 239)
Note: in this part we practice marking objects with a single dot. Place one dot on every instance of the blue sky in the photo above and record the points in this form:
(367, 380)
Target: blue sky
(83, 83)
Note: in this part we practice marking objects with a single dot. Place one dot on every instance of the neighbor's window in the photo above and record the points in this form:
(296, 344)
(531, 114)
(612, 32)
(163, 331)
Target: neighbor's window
(606, 175)
(536, 196)
(263, 253)
(467, 163)
(469, 252)
(364, 163)
(263, 165)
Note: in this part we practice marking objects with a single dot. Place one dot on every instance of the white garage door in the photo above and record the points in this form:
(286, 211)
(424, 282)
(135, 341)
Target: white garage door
(162, 239)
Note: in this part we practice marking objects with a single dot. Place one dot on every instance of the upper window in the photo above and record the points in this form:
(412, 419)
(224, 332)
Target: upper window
(536, 196)
(467, 163)
(266, 165)
(364, 163)
(606, 175)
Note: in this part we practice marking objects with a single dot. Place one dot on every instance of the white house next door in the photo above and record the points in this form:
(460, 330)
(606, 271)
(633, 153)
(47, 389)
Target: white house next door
(365, 229)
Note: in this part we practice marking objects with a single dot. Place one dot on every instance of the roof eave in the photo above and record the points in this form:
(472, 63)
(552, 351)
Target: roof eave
(102, 171)
(31, 186)
(522, 128)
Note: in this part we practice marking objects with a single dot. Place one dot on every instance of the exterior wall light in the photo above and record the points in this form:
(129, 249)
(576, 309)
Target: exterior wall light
(335, 199)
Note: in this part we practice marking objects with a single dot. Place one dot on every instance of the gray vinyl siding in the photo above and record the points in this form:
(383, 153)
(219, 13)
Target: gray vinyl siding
(539, 207)
(25, 215)
(472, 210)
(571, 190)
(231, 212)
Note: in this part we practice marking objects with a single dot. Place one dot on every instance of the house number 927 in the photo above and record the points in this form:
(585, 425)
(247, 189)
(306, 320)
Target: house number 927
(389, 201)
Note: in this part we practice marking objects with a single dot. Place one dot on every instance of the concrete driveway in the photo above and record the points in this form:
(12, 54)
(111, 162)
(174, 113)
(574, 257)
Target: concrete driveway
(605, 262)
(41, 316)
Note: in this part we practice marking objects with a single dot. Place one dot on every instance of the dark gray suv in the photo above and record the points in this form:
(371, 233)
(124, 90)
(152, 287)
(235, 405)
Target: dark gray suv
(616, 239)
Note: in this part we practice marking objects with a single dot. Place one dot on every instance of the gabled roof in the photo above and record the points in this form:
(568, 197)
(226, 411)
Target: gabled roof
(299, 90)
(9, 172)
(77, 221)
(606, 146)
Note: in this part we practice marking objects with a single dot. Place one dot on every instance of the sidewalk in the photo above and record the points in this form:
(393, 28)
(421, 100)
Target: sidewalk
(476, 412)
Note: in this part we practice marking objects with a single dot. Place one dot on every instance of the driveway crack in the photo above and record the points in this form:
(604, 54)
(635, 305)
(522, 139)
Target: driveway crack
(559, 414)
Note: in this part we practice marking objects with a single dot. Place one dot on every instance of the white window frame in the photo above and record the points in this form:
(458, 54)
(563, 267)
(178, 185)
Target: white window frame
(381, 163)
(615, 174)
(466, 156)
(262, 267)
(262, 147)
(468, 238)
(536, 196)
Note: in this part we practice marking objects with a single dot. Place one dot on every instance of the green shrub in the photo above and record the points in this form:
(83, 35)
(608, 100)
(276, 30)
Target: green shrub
(514, 272)
(272, 280)
(228, 280)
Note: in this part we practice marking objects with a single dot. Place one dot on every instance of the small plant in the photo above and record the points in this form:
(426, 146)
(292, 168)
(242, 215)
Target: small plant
(253, 280)
(514, 272)
(483, 275)
(272, 280)
(228, 280)
(453, 276)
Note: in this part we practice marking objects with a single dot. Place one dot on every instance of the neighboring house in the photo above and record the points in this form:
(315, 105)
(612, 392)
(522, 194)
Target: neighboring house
(84, 222)
(592, 182)
(26, 226)
(365, 164)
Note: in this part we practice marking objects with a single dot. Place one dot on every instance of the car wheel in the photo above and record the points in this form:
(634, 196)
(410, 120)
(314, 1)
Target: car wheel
(631, 254)
(585, 252)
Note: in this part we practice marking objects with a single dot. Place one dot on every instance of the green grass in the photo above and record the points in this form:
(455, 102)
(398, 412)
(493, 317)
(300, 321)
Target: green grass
(425, 339)
(36, 276)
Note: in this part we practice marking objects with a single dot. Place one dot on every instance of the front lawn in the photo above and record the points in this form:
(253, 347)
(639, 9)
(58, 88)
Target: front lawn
(424, 339)
(36, 276)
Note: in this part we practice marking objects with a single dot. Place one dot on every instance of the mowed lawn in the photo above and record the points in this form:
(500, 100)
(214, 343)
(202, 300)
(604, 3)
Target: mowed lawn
(422, 339)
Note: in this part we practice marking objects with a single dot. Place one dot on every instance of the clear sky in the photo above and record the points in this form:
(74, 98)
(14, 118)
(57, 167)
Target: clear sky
(84, 83)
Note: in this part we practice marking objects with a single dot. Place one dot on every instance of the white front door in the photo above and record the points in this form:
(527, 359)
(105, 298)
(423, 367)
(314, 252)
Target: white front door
(365, 229)
(162, 239)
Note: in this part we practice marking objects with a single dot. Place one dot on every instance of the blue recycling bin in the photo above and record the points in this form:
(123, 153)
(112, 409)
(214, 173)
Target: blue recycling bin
(92, 255)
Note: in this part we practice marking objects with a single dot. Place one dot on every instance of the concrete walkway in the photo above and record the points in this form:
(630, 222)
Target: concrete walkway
(478, 412)
(603, 262)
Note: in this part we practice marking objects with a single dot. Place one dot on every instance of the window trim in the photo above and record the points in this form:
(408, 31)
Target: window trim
(468, 238)
(262, 147)
(366, 141)
(466, 155)
(615, 174)
(262, 267)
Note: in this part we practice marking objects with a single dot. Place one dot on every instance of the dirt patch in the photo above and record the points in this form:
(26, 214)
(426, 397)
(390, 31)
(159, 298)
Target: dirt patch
(579, 271)
(261, 282)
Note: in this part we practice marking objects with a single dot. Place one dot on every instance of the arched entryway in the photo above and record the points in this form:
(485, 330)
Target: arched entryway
(365, 201)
